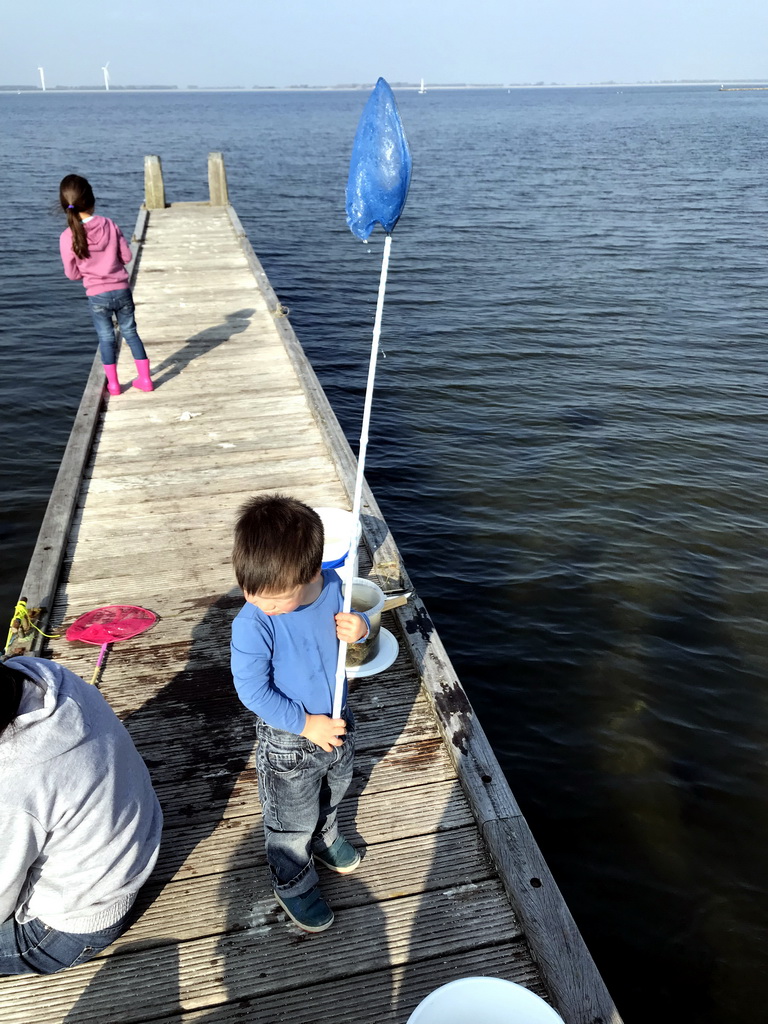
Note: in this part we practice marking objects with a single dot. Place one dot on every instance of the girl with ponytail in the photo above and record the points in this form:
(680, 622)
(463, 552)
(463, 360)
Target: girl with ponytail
(94, 250)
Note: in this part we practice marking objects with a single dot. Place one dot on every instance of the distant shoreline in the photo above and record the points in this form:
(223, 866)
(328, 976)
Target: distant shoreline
(730, 85)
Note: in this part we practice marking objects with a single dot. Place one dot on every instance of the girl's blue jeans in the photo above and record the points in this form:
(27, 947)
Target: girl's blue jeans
(300, 788)
(119, 304)
(34, 948)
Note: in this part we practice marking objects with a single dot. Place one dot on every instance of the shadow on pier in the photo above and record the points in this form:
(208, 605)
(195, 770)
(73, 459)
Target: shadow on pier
(198, 345)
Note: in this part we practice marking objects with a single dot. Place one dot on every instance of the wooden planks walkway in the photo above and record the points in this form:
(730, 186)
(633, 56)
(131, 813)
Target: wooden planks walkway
(237, 411)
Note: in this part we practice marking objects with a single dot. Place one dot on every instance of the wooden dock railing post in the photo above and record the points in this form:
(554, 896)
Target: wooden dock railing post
(217, 180)
(154, 188)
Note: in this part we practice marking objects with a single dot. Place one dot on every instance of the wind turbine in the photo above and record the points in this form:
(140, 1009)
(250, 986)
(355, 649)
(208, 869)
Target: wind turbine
(106, 76)
(42, 79)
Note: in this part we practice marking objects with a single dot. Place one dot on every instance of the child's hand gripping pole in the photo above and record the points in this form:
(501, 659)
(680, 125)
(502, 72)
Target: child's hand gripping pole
(349, 568)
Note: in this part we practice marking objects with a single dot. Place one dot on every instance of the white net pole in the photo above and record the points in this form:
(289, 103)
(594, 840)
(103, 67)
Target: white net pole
(350, 562)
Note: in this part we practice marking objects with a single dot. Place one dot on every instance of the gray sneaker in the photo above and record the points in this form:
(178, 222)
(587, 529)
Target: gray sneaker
(340, 856)
(309, 911)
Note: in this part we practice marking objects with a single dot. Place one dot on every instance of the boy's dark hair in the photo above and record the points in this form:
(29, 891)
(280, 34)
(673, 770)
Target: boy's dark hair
(76, 196)
(11, 688)
(278, 544)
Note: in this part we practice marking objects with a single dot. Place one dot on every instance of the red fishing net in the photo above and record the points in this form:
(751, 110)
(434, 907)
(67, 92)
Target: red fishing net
(111, 623)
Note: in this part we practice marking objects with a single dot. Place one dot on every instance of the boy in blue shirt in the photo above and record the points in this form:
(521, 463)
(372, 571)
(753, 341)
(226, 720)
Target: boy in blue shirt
(284, 655)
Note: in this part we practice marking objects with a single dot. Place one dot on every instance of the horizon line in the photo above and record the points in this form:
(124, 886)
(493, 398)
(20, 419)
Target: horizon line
(355, 87)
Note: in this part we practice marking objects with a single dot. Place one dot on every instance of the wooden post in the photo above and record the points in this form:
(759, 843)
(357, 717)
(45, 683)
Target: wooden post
(154, 188)
(217, 180)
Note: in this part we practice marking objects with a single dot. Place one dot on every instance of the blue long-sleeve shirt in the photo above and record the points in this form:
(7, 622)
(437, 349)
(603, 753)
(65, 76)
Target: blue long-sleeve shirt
(284, 666)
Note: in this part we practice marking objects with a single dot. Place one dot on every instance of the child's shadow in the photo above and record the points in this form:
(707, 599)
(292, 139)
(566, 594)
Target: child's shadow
(200, 344)
(196, 739)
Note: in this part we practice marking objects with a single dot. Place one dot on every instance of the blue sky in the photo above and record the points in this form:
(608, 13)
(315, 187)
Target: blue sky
(328, 42)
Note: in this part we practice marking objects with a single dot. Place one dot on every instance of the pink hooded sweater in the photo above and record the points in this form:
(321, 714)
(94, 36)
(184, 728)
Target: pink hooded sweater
(104, 270)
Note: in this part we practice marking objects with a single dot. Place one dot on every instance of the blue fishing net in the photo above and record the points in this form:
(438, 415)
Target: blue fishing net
(380, 169)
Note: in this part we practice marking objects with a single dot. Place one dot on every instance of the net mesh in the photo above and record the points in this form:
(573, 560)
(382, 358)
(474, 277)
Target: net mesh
(380, 167)
(111, 623)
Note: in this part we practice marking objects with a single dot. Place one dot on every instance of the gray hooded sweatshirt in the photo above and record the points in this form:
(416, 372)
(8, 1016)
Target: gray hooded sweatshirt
(79, 821)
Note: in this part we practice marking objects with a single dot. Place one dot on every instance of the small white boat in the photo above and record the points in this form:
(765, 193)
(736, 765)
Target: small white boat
(422, 88)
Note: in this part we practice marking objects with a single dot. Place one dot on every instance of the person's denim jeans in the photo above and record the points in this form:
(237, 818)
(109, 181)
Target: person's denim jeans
(300, 788)
(34, 948)
(119, 303)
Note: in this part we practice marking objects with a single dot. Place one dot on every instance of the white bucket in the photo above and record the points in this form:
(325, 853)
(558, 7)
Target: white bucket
(368, 598)
(337, 527)
(490, 1000)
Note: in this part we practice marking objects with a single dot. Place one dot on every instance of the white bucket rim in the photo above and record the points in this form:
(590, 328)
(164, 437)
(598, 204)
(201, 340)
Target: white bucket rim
(511, 998)
(358, 581)
(337, 527)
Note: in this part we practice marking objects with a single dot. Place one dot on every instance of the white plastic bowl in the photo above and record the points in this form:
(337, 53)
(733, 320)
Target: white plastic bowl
(483, 1001)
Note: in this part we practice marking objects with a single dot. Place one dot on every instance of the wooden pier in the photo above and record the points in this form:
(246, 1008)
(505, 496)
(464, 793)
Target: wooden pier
(452, 883)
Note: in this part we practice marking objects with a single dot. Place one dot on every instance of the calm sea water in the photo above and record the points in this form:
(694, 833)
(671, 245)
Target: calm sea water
(570, 443)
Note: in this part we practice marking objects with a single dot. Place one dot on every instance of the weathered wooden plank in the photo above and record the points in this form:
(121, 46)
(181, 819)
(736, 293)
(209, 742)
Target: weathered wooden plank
(229, 293)
(150, 433)
(244, 333)
(382, 997)
(105, 474)
(277, 475)
(316, 491)
(227, 901)
(251, 360)
(136, 670)
(190, 267)
(380, 816)
(136, 428)
(232, 275)
(221, 725)
(392, 753)
(251, 357)
(186, 252)
(206, 441)
(143, 450)
(195, 671)
(181, 377)
(202, 305)
(206, 509)
(198, 212)
(226, 789)
(227, 278)
(184, 301)
(138, 409)
(209, 971)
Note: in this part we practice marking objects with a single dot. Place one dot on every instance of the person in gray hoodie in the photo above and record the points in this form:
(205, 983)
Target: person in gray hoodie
(79, 821)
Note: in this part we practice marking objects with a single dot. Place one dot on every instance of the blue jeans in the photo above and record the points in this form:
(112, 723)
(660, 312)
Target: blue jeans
(121, 304)
(34, 948)
(300, 788)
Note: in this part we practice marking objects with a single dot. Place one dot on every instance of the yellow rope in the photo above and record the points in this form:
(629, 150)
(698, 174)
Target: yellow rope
(21, 622)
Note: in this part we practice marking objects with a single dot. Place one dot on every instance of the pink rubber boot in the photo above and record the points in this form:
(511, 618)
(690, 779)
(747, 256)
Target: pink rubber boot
(142, 382)
(113, 384)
